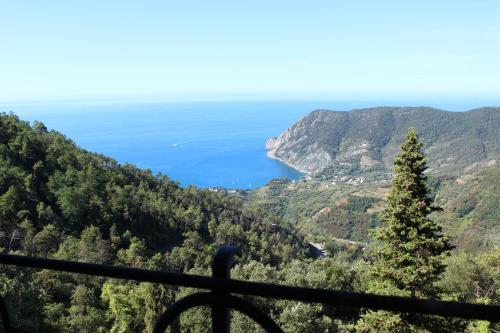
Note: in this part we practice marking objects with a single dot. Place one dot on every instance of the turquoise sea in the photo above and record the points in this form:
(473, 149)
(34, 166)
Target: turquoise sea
(204, 143)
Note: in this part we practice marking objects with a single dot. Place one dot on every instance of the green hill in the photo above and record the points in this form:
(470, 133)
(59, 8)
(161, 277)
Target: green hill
(366, 140)
(45, 179)
(346, 211)
(471, 212)
(349, 157)
(60, 201)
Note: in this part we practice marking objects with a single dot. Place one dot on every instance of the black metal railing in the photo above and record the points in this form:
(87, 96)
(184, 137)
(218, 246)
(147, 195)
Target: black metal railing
(221, 289)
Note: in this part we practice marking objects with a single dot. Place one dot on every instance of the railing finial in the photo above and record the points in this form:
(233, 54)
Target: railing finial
(224, 260)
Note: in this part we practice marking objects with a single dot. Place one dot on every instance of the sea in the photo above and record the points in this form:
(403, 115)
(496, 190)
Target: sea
(206, 144)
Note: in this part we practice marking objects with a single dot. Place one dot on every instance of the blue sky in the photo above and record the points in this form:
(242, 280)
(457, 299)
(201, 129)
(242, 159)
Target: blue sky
(63, 50)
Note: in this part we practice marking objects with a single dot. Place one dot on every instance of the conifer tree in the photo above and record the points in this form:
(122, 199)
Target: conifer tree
(409, 257)
(412, 245)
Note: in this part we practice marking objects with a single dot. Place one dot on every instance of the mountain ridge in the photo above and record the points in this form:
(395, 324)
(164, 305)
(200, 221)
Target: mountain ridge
(365, 140)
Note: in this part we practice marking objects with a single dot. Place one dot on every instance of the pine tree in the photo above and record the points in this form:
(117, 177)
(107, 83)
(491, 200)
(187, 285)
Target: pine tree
(409, 257)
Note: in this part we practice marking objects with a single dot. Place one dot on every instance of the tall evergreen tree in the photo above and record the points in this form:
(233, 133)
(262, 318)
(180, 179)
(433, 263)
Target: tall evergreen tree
(412, 245)
(409, 257)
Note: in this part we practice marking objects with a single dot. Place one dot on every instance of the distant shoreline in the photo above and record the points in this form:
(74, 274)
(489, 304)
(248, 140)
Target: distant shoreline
(270, 155)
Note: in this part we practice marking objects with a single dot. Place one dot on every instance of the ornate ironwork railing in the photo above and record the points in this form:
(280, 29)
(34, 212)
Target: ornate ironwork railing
(221, 287)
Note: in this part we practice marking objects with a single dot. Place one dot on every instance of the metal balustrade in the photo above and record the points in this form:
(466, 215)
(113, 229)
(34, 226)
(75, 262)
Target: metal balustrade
(221, 289)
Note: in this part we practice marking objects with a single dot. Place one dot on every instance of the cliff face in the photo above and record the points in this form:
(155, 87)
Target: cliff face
(368, 139)
(291, 148)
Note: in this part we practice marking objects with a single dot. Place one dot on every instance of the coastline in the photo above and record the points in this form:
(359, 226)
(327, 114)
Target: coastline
(272, 156)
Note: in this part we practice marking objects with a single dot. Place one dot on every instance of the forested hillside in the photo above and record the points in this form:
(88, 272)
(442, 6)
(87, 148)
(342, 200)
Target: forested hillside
(471, 209)
(59, 201)
(46, 180)
(329, 211)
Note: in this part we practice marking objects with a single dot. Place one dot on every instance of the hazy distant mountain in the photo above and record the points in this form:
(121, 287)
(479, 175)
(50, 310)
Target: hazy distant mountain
(368, 139)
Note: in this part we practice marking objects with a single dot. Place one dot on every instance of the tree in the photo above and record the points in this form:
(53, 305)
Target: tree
(85, 315)
(409, 258)
(93, 248)
(46, 241)
(22, 295)
(133, 306)
(473, 280)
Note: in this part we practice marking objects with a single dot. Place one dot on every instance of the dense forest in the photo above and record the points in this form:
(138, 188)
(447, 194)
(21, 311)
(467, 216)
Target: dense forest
(60, 201)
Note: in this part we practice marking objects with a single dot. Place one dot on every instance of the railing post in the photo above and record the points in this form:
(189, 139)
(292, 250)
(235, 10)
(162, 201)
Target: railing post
(5, 316)
(221, 268)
